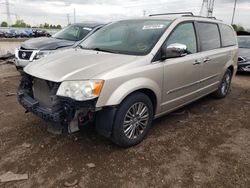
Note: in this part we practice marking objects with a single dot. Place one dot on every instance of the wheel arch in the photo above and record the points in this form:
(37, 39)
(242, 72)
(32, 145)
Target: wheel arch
(148, 92)
(231, 68)
(144, 85)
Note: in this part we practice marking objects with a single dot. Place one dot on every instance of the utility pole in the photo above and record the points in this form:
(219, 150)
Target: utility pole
(74, 15)
(210, 8)
(203, 6)
(68, 19)
(207, 8)
(235, 3)
(8, 12)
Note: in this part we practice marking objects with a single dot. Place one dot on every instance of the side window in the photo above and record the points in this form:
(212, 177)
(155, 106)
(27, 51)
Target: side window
(209, 36)
(184, 34)
(227, 36)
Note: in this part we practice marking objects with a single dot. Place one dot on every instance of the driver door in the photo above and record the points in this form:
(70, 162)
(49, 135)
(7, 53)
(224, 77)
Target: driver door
(182, 74)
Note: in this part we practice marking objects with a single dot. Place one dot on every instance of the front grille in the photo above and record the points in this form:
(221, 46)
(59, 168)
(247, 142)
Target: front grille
(45, 92)
(24, 54)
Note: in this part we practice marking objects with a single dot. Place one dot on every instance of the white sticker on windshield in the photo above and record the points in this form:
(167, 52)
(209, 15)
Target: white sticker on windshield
(87, 28)
(158, 26)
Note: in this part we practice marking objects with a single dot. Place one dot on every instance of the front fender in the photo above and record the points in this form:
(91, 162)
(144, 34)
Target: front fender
(128, 87)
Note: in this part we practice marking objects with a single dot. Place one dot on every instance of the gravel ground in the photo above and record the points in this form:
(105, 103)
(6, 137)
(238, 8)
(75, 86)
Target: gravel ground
(205, 144)
(9, 45)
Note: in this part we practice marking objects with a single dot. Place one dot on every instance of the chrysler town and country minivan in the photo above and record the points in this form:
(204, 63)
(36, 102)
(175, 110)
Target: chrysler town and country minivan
(130, 72)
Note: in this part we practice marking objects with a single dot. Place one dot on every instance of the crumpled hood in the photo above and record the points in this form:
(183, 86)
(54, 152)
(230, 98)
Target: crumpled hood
(244, 52)
(46, 43)
(76, 64)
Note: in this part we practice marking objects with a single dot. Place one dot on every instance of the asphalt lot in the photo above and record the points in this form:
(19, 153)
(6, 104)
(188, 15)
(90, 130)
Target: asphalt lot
(205, 144)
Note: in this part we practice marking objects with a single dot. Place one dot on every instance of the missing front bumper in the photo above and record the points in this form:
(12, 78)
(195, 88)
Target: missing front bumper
(32, 105)
(67, 112)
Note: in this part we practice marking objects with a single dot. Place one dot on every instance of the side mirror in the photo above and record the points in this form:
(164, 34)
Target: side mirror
(174, 50)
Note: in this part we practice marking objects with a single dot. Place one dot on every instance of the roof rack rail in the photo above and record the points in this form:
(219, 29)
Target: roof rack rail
(211, 17)
(173, 13)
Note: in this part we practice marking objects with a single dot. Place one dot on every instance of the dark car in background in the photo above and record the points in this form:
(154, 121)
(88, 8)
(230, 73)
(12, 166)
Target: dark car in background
(11, 33)
(41, 33)
(2, 34)
(244, 53)
(36, 48)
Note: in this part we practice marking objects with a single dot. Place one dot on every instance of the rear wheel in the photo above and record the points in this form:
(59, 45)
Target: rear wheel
(133, 120)
(224, 86)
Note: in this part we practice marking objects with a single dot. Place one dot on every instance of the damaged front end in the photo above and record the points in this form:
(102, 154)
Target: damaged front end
(39, 97)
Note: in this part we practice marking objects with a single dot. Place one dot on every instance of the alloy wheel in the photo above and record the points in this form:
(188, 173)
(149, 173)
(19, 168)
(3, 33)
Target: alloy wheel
(135, 120)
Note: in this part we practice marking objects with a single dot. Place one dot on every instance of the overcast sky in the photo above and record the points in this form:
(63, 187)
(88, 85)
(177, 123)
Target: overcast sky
(35, 12)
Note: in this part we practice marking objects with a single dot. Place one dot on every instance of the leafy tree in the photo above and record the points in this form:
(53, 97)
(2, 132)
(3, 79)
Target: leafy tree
(46, 25)
(4, 24)
(58, 27)
(19, 23)
(238, 27)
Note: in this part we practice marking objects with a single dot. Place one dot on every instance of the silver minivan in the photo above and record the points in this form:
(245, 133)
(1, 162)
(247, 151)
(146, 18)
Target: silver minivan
(131, 71)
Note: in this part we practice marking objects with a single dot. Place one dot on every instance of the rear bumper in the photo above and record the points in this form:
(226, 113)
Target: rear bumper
(33, 106)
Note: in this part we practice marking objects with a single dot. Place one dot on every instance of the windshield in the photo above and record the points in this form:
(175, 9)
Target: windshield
(133, 37)
(73, 33)
(244, 42)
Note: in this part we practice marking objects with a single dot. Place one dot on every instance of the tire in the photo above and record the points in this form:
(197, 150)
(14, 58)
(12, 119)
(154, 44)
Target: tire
(131, 128)
(224, 86)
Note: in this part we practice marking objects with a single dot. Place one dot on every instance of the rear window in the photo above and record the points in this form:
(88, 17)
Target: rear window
(227, 36)
(209, 36)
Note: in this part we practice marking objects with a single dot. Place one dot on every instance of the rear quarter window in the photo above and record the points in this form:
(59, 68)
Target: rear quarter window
(227, 35)
(209, 36)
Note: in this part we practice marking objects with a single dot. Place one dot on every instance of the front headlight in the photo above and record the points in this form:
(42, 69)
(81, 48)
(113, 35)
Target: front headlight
(42, 54)
(16, 53)
(80, 90)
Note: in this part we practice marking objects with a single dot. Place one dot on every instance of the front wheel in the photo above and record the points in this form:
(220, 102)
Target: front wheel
(224, 86)
(133, 120)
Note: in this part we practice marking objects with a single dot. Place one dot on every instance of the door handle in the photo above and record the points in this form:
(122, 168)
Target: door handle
(197, 62)
(206, 60)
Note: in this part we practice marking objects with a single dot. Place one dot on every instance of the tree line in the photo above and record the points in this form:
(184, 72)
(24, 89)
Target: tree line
(22, 24)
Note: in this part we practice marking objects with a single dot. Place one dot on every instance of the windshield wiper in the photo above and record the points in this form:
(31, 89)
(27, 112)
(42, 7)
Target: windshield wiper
(58, 38)
(63, 38)
(102, 50)
(83, 47)
(97, 49)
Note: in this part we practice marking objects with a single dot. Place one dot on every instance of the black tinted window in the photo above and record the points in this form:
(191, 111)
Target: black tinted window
(227, 36)
(184, 34)
(209, 36)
